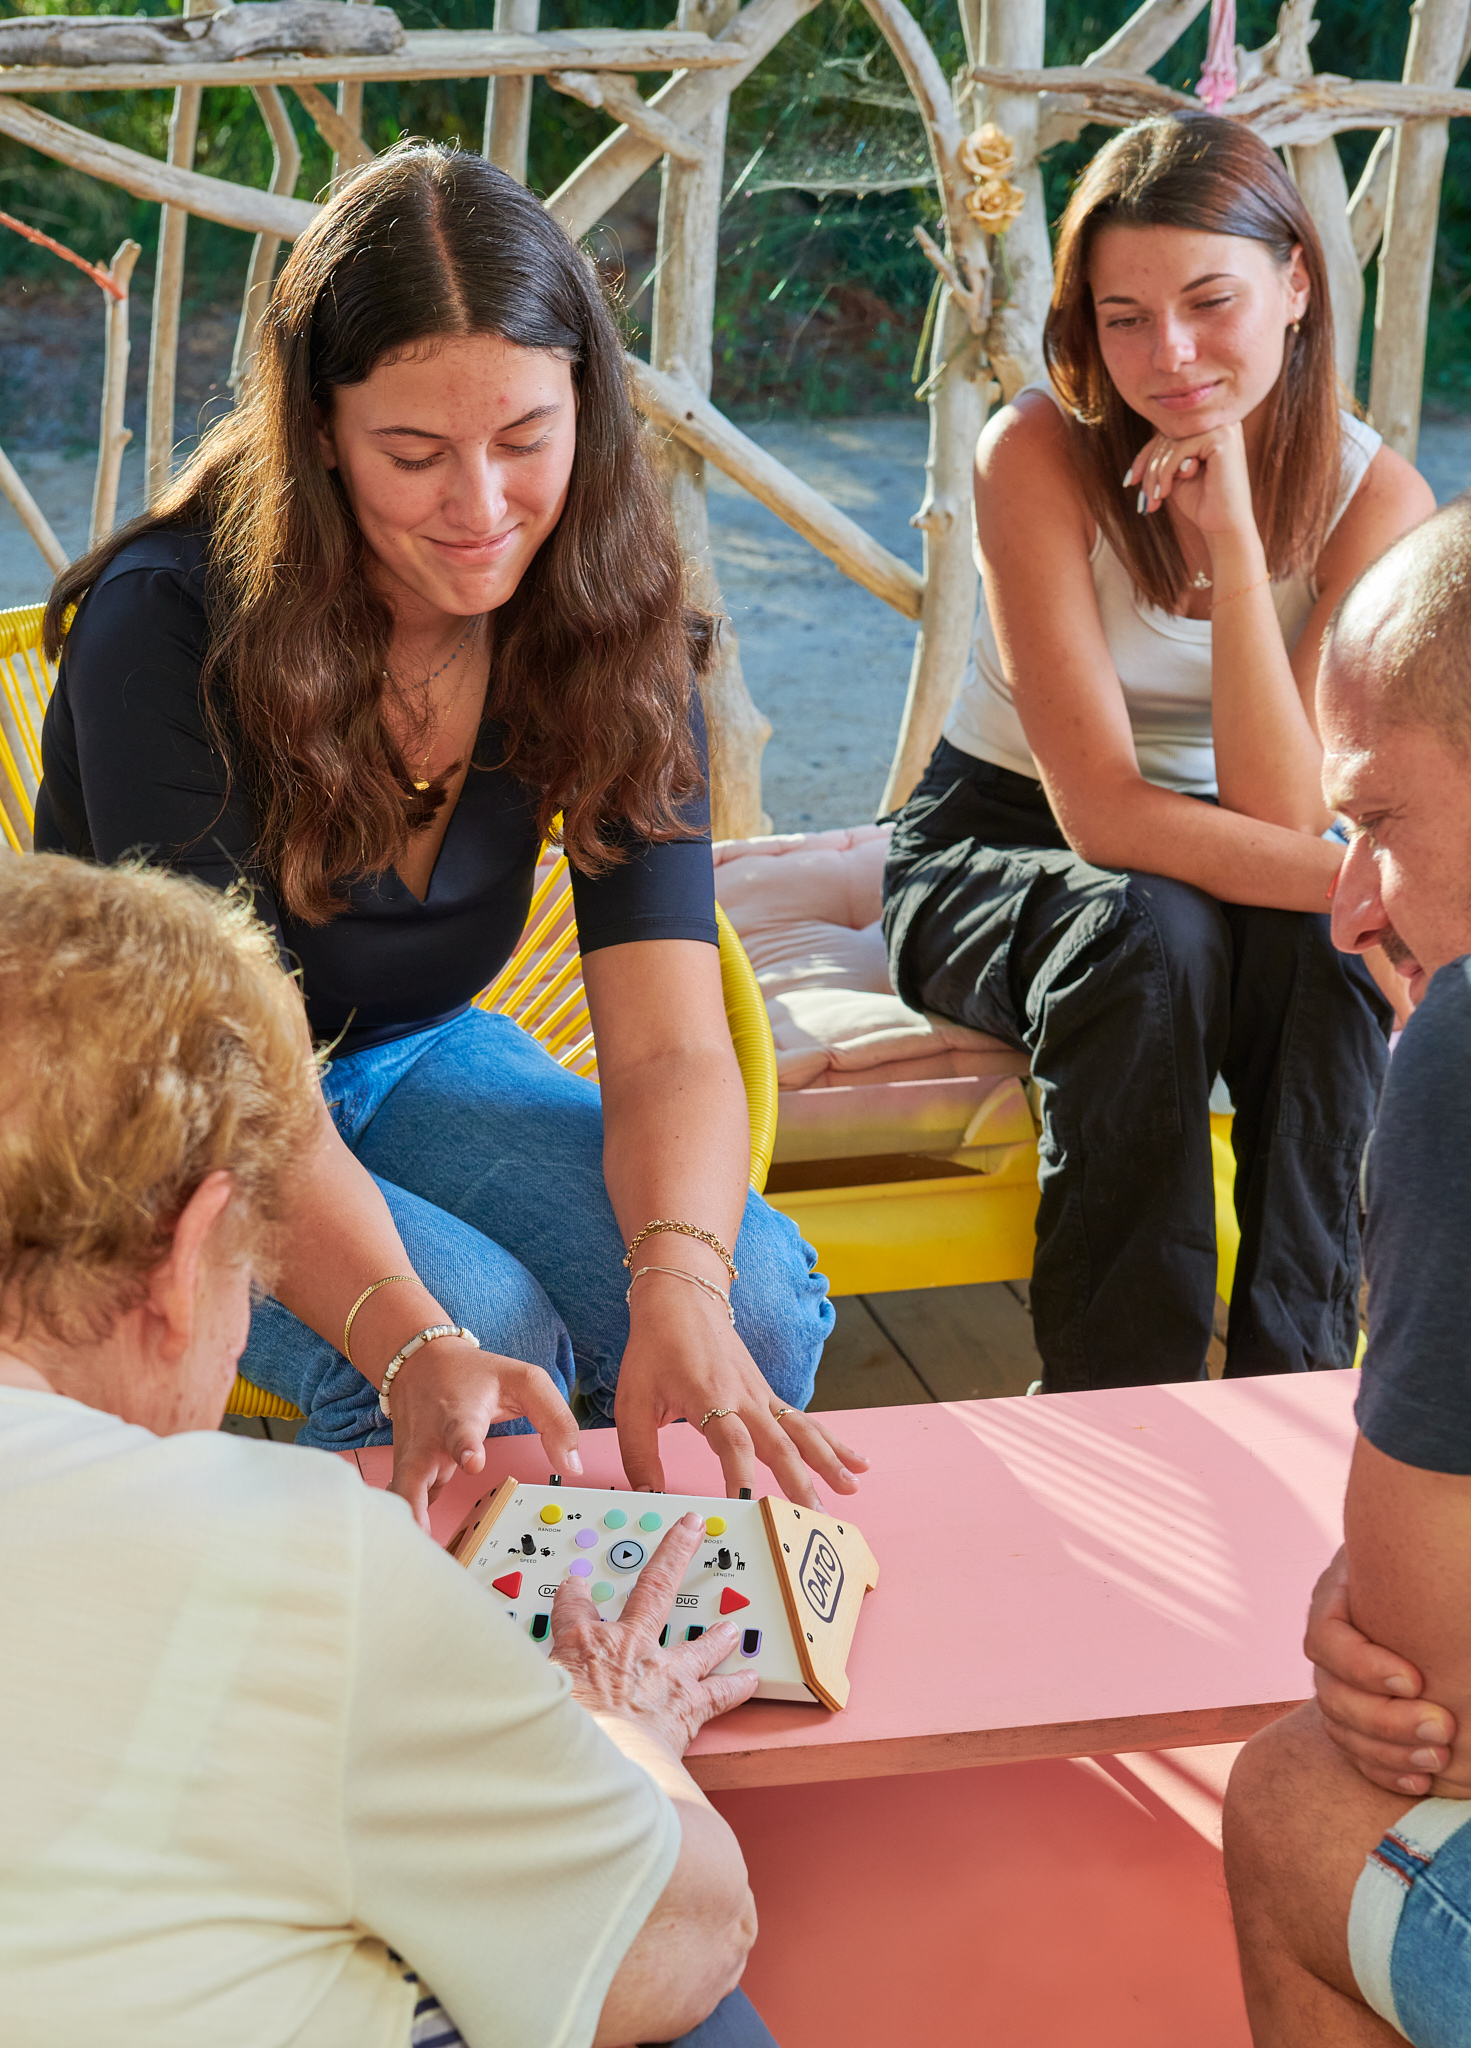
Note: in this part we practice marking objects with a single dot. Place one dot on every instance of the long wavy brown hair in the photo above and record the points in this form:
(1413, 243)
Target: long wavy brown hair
(1201, 172)
(593, 656)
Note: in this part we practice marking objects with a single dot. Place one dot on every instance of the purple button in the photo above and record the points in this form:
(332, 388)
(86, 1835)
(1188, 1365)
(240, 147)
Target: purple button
(585, 1538)
(581, 1568)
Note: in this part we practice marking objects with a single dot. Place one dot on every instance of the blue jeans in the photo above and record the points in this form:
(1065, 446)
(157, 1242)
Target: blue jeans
(1409, 1927)
(489, 1156)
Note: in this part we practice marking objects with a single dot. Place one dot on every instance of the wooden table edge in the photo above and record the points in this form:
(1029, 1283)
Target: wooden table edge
(737, 1770)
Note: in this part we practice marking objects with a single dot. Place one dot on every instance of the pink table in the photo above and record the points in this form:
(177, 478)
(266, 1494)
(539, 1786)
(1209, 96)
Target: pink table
(1118, 1575)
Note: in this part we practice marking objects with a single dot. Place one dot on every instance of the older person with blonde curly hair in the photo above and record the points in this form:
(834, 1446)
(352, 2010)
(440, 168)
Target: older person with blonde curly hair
(265, 1754)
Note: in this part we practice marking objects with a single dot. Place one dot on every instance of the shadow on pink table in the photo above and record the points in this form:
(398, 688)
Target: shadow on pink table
(1098, 1596)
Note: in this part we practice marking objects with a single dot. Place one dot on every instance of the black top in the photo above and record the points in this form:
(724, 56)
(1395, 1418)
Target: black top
(128, 767)
(1415, 1400)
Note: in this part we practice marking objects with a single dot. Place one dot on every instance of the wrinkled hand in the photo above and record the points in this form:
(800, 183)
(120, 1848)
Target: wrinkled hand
(1370, 1698)
(447, 1396)
(683, 1359)
(617, 1667)
(1205, 475)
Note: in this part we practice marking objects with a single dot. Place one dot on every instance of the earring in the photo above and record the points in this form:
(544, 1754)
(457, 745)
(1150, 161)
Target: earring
(1297, 327)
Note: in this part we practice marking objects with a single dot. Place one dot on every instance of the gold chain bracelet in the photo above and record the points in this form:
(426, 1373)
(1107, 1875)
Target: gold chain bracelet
(684, 1230)
(1242, 592)
(388, 1280)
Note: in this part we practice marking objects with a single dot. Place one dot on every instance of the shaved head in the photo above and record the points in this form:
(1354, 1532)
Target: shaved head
(1394, 711)
(1403, 630)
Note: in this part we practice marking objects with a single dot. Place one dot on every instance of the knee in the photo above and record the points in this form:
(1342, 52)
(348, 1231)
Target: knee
(1188, 927)
(783, 1313)
(510, 1314)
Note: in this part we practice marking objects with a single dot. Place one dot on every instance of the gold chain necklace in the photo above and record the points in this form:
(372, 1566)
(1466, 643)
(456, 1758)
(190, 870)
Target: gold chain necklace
(421, 782)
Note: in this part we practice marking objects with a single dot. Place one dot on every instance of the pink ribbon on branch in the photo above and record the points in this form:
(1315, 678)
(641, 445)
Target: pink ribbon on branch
(97, 275)
(1218, 79)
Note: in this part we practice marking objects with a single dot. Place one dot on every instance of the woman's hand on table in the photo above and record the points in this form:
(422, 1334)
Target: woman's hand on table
(445, 1399)
(617, 1667)
(1369, 1697)
(1205, 475)
(683, 1360)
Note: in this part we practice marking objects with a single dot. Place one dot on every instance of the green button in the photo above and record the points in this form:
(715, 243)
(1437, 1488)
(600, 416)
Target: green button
(651, 1521)
(614, 1519)
(602, 1591)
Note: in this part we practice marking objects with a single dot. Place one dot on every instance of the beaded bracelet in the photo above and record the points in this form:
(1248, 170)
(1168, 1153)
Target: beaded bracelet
(417, 1344)
(685, 1230)
(695, 1280)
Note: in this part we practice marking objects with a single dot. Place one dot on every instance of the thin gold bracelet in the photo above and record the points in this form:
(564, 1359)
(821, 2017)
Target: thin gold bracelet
(1241, 592)
(388, 1280)
(695, 1279)
(685, 1230)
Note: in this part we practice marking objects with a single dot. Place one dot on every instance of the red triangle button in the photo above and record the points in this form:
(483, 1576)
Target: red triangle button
(510, 1585)
(730, 1600)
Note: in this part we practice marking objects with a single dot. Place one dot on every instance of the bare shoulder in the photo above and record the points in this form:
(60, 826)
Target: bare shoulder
(1392, 498)
(1397, 488)
(1024, 465)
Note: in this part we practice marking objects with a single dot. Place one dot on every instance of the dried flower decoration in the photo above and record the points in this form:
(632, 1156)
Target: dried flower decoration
(988, 153)
(995, 204)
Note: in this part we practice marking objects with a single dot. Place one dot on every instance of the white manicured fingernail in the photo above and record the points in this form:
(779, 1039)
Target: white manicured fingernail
(574, 1462)
(1128, 476)
(1156, 490)
(1141, 501)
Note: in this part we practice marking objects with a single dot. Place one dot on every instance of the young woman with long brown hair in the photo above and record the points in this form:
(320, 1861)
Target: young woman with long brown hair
(1116, 858)
(414, 597)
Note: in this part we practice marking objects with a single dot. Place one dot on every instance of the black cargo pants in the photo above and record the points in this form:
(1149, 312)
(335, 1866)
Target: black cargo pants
(1130, 992)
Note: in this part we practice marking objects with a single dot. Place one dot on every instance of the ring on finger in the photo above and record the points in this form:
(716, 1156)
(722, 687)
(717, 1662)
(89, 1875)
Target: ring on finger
(778, 1413)
(714, 1415)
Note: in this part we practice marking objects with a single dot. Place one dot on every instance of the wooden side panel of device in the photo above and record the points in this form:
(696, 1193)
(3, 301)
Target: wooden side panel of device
(481, 1519)
(824, 1568)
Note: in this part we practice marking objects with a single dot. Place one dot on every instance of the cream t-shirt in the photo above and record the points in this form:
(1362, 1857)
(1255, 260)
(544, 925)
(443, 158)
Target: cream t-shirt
(255, 1730)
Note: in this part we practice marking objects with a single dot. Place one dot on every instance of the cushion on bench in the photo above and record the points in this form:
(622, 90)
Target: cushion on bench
(859, 1072)
(806, 907)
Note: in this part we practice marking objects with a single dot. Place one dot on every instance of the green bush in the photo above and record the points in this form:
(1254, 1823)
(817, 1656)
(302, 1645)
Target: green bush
(821, 295)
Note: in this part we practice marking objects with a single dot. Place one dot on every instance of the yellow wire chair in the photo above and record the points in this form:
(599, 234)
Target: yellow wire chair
(539, 988)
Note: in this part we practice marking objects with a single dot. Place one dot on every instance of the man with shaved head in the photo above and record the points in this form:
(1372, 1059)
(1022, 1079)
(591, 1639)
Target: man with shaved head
(1348, 1832)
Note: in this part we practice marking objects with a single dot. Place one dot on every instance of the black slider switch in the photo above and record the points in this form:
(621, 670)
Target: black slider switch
(722, 1560)
(540, 1628)
(528, 1544)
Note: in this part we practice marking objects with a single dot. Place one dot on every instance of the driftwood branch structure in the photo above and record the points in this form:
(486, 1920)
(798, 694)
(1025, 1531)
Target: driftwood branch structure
(986, 129)
(113, 437)
(508, 100)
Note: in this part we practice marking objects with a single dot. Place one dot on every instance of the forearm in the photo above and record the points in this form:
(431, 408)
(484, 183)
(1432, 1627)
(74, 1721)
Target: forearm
(1134, 824)
(1406, 1536)
(690, 1952)
(1268, 758)
(677, 1144)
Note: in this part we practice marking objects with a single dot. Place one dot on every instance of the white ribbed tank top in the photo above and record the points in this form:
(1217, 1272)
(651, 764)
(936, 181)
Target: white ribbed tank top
(1163, 661)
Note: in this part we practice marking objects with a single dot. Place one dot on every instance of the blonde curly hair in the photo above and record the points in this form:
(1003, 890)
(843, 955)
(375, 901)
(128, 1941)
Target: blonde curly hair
(150, 1038)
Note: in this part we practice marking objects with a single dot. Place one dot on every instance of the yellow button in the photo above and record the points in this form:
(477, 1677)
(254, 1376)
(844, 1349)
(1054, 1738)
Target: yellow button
(715, 1526)
(551, 1513)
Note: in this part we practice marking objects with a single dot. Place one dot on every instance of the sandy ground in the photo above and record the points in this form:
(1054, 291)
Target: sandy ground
(826, 662)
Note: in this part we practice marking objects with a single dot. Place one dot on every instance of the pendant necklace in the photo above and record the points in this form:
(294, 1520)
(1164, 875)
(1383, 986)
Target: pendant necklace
(1200, 581)
(421, 785)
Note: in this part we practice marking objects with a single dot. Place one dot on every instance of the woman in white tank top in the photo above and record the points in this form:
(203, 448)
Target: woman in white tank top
(1116, 858)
